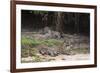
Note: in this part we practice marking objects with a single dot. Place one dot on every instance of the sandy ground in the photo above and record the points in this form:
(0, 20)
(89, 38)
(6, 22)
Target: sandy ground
(69, 57)
(60, 57)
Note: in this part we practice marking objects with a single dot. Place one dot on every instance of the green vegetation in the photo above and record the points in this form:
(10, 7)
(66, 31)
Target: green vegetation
(28, 45)
(24, 52)
(29, 42)
(51, 42)
(37, 58)
(34, 42)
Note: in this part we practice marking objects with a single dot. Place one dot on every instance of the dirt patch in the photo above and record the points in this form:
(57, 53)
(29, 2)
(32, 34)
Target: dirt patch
(62, 57)
(68, 57)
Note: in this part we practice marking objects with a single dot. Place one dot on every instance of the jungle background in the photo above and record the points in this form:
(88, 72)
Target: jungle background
(54, 36)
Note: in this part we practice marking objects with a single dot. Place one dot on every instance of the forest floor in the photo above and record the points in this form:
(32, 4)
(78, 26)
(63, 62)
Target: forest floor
(37, 47)
(47, 58)
(70, 57)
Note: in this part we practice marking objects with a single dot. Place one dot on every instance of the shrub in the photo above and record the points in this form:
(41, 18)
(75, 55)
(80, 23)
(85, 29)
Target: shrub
(34, 42)
(29, 42)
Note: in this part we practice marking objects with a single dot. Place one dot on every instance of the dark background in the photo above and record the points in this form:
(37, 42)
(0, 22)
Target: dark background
(66, 22)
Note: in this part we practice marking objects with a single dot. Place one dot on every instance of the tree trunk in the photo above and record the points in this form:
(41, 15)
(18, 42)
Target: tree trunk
(45, 19)
(59, 21)
(76, 25)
